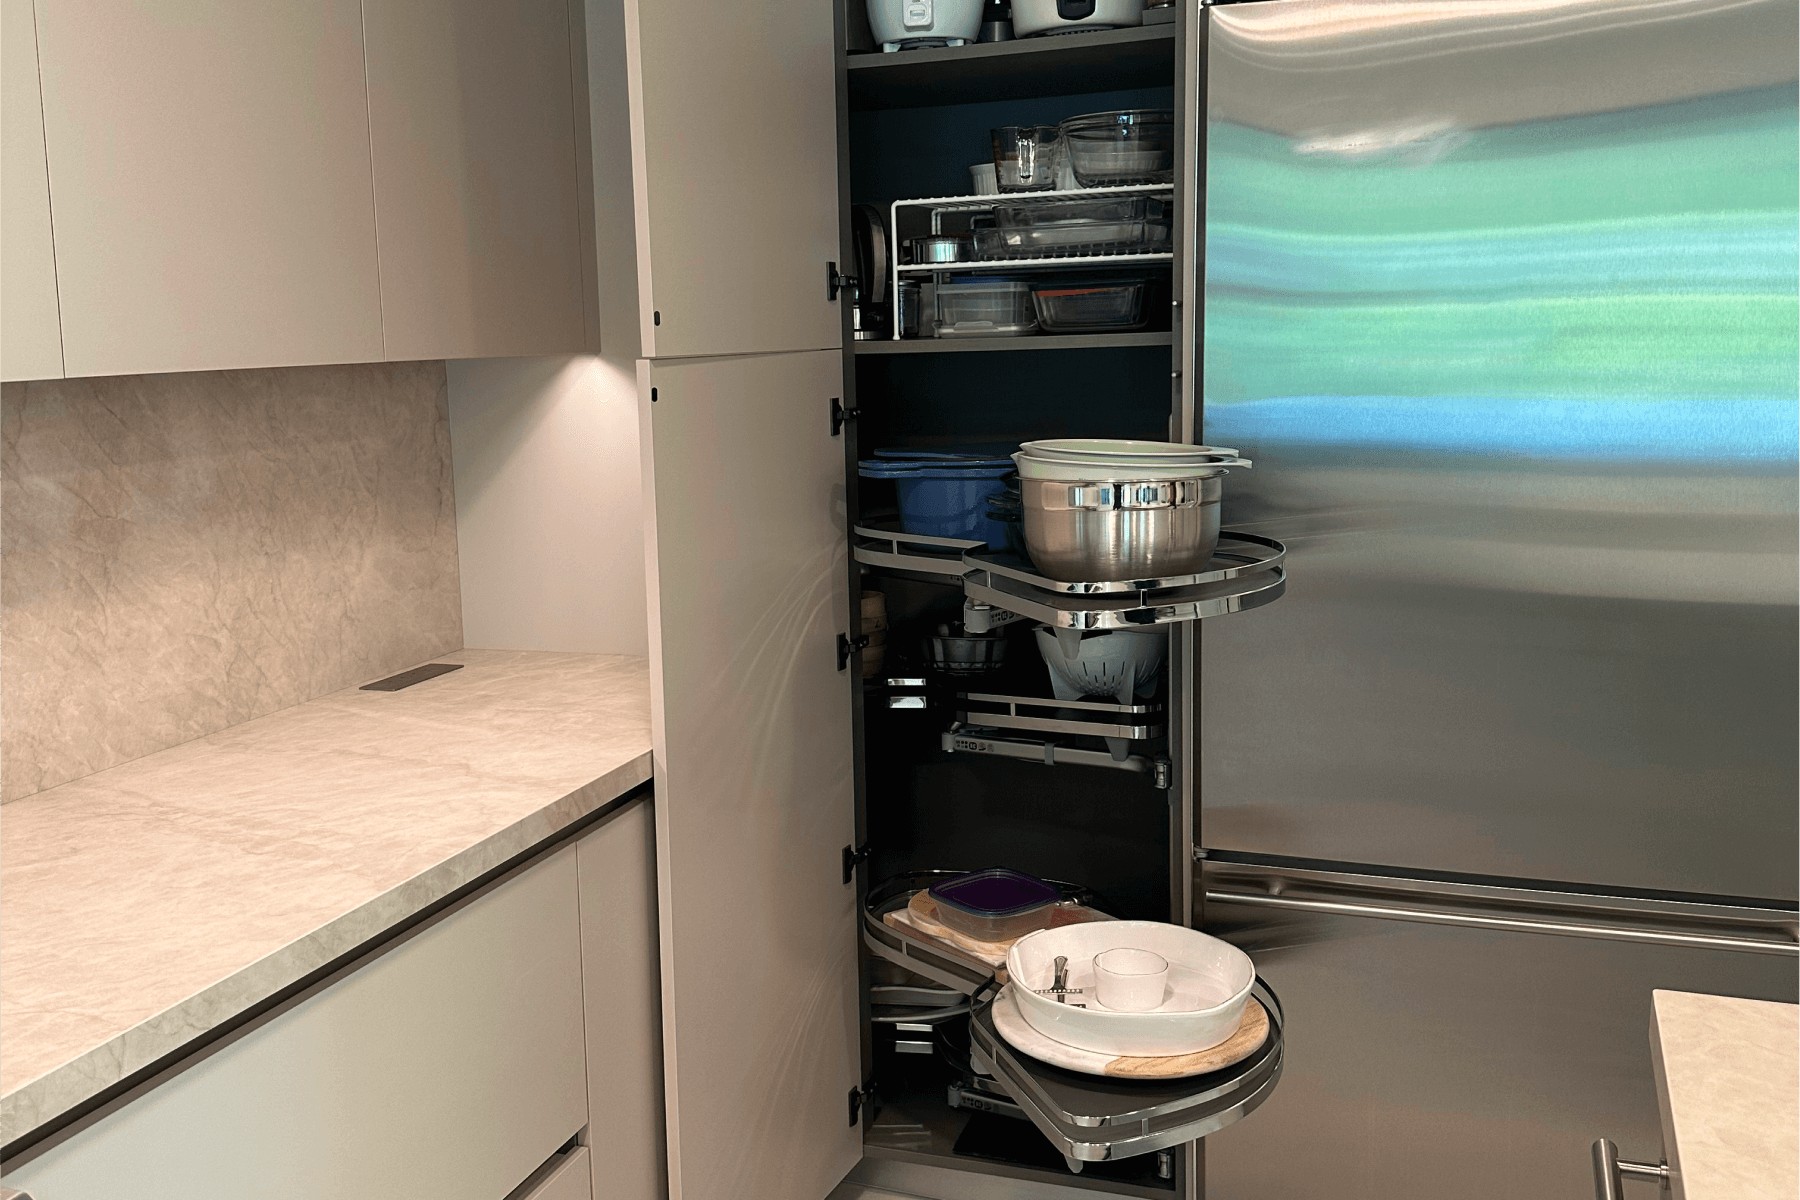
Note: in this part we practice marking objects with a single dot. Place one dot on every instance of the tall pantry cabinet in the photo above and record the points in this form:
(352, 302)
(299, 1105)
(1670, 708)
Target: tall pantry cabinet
(786, 788)
(719, 123)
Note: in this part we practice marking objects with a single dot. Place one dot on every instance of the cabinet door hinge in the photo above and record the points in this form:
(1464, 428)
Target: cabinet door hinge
(858, 1097)
(835, 283)
(840, 414)
(848, 646)
(852, 857)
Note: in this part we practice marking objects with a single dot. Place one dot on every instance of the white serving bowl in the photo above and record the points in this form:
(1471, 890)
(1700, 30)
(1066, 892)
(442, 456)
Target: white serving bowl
(1122, 449)
(1209, 984)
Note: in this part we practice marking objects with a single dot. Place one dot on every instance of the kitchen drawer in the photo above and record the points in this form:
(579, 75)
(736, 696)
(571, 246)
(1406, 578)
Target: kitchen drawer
(448, 1067)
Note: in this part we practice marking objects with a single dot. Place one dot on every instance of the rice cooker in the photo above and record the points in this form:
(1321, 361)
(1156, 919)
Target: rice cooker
(915, 23)
(1037, 17)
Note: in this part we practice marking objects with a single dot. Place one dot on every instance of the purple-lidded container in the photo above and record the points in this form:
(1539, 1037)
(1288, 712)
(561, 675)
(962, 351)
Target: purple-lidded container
(994, 905)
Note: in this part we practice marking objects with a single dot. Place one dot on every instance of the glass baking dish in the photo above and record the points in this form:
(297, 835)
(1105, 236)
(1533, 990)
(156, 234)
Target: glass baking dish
(1091, 306)
(1120, 225)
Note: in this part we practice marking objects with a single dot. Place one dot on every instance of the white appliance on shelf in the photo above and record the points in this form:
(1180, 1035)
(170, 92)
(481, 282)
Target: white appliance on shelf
(912, 24)
(1032, 17)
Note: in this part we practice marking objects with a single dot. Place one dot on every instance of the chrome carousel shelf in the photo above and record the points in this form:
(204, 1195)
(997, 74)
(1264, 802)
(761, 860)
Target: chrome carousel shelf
(1246, 572)
(1092, 718)
(1094, 1119)
(1088, 1118)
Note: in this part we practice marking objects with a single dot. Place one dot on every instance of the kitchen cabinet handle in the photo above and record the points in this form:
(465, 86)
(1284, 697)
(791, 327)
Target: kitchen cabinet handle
(1610, 1172)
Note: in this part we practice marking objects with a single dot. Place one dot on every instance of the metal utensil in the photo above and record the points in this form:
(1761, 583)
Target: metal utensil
(1059, 985)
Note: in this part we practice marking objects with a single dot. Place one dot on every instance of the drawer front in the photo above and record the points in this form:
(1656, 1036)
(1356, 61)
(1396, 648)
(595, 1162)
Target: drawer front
(448, 1068)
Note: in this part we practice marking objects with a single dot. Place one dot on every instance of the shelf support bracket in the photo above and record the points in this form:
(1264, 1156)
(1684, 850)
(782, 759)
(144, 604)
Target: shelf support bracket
(852, 857)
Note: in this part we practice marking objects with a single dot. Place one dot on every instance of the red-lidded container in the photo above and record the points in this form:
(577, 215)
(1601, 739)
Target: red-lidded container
(995, 905)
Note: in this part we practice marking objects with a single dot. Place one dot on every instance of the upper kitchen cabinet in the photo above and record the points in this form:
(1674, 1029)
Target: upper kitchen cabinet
(30, 339)
(210, 183)
(734, 136)
(472, 123)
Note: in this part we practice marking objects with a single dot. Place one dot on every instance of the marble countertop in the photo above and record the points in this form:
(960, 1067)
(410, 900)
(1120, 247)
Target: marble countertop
(1728, 1081)
(147, 904)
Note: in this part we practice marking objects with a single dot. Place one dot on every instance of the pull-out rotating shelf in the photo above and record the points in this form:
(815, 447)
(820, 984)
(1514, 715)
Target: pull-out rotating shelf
(1245, 572)
(1088, 1118)
(1094, 1119)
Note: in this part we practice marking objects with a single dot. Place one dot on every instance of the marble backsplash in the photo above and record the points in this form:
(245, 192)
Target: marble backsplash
(182, 553)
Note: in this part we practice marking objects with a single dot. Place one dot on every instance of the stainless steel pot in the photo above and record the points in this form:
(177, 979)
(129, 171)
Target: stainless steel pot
(941, 248)
(1107, 531)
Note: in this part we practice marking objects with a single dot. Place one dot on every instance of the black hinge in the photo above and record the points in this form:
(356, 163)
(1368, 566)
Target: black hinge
(859, 854)
(847, 646)
(858, 1097)
(835, 283)
(840, 414)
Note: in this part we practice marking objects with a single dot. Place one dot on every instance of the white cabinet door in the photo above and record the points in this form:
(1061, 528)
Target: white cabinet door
(30, 337)
(449, 1068)
(734, 155)
(751, 722)
(570, 1178)
(209, 183)
(472, 121)
(624, 1018)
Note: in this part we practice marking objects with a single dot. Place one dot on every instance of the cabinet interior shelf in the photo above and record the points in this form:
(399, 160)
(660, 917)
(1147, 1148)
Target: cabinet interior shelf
(1069, 65)
(1047, 341)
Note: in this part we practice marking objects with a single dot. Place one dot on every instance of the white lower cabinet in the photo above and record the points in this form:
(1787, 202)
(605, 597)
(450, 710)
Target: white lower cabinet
(451, 1067)
(624, 1011)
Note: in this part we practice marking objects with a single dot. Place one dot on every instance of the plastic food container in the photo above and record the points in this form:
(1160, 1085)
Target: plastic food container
(985, 308)
(996, 904)
(1111, 149)
(942, 494)
(1092, 307)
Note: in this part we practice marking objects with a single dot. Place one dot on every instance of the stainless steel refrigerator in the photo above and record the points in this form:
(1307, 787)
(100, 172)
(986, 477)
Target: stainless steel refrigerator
(1500, 296)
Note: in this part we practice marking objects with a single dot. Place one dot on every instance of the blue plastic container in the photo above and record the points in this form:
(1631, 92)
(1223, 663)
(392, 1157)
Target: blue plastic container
(943, 497)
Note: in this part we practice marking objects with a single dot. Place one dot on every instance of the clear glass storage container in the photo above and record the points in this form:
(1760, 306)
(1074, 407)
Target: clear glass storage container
(1111, 149)
(1092, 306)
(984, 308)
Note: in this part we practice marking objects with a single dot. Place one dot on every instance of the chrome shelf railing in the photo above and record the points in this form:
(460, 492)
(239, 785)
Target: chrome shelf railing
(1246, 572)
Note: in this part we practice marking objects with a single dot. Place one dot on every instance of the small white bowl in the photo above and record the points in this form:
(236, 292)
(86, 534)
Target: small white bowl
(1127, 979)
(1209, 983)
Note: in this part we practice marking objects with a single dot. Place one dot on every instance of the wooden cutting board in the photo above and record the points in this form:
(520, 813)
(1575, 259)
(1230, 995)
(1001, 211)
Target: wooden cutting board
(920, 916)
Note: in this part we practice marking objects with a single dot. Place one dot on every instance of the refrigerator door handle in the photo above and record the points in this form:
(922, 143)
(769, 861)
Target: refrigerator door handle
(1523, 909)
(1610, 1172)
(1567, 928)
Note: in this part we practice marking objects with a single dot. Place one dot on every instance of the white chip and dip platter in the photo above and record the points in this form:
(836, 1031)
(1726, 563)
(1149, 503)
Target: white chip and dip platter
(1203, 1005)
